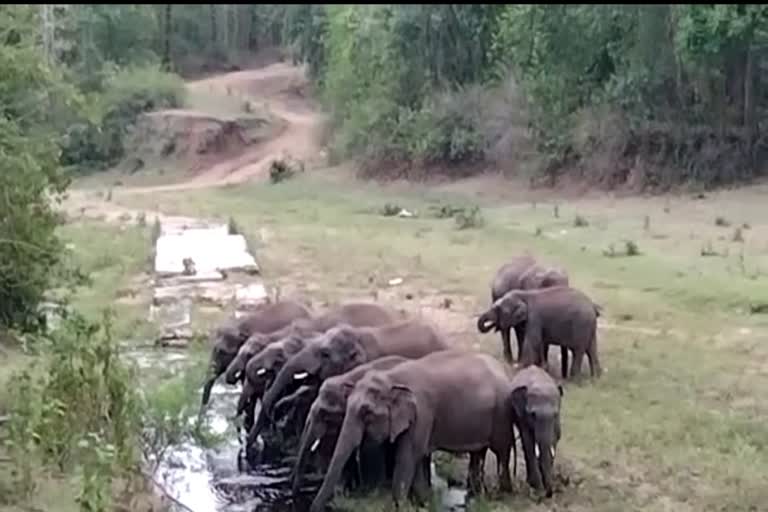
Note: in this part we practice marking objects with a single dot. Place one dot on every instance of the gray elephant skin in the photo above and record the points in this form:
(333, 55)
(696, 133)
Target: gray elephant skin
(229, 338)
(261, 370)
(326, 416)
(453, 400)
(356, 314)
(536, 401)
(552, 316)
(522, 273)
(345, 347)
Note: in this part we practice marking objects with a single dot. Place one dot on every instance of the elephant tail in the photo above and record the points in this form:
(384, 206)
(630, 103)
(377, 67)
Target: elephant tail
(598, 309)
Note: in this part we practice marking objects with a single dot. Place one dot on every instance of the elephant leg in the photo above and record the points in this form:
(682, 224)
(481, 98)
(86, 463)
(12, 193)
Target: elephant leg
(577, 363)
(421, 483)
(520, 334)
(594, 362)
(531, 462)
(249, 417)
(372, 463)
(351, 473)
(505, 342)
(502, 468)
(564, 361)
(405, 465)
(476, 470)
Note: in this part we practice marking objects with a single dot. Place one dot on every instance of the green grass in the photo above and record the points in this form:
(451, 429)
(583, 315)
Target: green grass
(117, 260)
(674, 422)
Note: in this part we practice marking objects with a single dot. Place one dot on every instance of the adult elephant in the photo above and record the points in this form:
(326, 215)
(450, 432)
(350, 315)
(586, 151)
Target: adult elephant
(326, 416)
(229, 338)
(521, 273)
(552, 316)
(357, 314)
(261, 370)
(536, 402)
(453, 400)
(345, 347)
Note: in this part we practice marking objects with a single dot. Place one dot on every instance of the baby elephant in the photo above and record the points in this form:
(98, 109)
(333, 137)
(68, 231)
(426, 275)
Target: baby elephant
(559, 316)
(536, 401)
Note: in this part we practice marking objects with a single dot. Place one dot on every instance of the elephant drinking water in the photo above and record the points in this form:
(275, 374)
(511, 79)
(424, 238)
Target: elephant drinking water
(453, 400)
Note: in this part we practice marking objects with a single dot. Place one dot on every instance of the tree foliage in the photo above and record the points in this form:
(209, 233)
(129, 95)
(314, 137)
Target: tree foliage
(677, 90)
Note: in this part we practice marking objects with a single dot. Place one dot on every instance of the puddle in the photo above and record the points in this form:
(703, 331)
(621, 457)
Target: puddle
(207, 479)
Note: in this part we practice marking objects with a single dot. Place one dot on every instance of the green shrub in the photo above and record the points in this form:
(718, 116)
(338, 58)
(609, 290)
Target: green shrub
(282, 169)
(30, 251)
(97, 139)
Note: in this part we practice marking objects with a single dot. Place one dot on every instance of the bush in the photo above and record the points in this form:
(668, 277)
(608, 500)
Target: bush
(282, 169)
(83, 411)
(30, 251)
(97, 139)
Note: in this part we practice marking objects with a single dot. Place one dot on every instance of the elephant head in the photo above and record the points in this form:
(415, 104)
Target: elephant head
(377, 408)
(337, 351)
(253, 346)
(261, 370)
(227, 341)
(323, 423)
(538, 277)
(507, 312)
(537, 413)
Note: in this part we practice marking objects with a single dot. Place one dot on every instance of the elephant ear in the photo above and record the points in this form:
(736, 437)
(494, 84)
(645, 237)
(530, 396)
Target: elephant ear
(402, 411)
(520, 401)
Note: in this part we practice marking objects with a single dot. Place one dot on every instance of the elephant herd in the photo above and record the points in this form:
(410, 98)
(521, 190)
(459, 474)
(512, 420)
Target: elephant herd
(364, 394)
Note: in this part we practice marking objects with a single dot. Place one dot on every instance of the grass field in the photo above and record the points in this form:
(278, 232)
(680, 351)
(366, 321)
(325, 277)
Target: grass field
(675, 422)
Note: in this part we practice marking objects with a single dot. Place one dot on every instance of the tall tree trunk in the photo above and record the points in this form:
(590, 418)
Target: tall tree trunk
(168, 25)
(214, 31)
(749, 104)
(253, 39)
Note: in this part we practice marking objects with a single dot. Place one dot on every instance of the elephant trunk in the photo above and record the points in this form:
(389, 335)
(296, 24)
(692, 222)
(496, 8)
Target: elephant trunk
(214, 370)
(349, 439)
(301, 363)
(314, 431)
(235, 369)
(261, 422)
(245, 397)
(545, 442)
(486, 322)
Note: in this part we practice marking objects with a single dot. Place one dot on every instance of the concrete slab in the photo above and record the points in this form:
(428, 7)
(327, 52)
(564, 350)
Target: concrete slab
(210, 251)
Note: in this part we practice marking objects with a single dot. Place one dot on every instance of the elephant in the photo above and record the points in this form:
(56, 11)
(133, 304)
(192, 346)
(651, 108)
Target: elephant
(327, 414)
(561, 316)
(345, 347)
(536, 401)
(229, 338)
(356, 314)
(521, 273)
(538, 276)
(452, 400)
(261, 370)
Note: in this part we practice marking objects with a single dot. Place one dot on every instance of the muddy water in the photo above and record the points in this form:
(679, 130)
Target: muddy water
(207, 479)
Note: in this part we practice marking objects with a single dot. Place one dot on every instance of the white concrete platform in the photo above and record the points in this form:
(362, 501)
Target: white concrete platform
(214, 254)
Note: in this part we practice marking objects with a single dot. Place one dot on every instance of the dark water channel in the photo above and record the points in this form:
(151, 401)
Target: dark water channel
(207, 479)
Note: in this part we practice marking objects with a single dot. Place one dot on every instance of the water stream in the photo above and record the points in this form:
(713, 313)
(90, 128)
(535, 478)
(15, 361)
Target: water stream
(207, 479)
